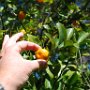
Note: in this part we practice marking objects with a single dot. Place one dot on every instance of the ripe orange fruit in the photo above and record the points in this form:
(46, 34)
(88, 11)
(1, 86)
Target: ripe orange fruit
(21, 15)
(40, 1)
(42, 54)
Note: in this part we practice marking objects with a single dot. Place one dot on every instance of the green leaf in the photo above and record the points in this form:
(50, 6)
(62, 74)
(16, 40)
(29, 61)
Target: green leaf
(74, 78)
(50, 1)
(1, 33)
(69, 73)
(50, 38)
(62, 31)
(73, 7)
(77, 88)
(68, 43)
(73, 50)
(72, 67)
(49, 73)
(83, 35)
(60, 86)
(76, 45)
(33, 38)
(70, 33)
(34, 87)
(61, 45)
(46, 27)
(54, 41)
(47, 84)
(1, 37)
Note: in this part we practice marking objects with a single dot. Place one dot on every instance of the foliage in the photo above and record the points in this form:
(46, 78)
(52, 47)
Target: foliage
(61, 26)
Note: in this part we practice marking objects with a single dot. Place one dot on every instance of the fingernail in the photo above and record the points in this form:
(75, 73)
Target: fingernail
(44, 64)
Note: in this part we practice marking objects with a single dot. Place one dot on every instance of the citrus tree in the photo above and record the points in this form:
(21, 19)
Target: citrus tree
(60, 26)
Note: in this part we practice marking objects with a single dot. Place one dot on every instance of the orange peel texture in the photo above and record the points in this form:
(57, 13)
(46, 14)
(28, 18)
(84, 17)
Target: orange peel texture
(42, 54)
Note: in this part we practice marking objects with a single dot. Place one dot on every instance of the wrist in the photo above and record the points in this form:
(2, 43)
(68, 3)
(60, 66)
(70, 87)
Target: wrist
(7, 83)
(1, 87)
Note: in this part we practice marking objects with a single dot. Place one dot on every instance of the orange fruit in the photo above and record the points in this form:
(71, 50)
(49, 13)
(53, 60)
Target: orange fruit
(21, 15)
(42, 54)
(40, 1)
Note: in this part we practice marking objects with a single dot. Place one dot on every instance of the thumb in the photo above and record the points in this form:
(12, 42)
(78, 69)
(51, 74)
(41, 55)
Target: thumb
(6, 38)
(35, 64)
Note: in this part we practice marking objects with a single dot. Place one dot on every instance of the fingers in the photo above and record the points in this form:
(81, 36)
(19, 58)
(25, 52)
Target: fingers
(12, 40)
(16, 37)
(26, 45)
(35, 64)
(6, 38)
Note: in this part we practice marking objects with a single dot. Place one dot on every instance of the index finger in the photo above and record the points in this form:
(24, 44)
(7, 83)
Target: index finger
(6, 38)
(26, 45)
(16, 37)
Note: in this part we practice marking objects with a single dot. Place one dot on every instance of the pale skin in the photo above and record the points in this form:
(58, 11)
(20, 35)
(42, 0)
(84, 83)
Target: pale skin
(14, 69)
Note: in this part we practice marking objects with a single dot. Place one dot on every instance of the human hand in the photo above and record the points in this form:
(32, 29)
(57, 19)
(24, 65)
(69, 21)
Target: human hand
(14, 69)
